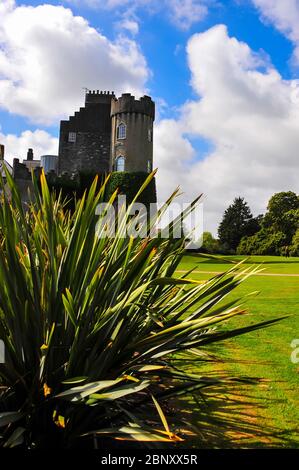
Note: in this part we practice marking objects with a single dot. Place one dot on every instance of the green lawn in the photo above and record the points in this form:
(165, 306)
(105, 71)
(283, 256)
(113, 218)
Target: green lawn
(266, 414)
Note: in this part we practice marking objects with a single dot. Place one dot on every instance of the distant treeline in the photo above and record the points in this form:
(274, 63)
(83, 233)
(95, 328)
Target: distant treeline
(274, 233)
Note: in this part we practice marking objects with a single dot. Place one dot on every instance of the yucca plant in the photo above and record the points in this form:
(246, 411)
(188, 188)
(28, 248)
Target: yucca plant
(93, 325)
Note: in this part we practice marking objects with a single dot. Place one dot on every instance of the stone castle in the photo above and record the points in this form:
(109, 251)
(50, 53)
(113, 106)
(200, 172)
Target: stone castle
(108, 134)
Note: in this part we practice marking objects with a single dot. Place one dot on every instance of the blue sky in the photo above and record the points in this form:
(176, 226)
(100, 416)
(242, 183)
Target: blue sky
(164, 46)
(218, 70)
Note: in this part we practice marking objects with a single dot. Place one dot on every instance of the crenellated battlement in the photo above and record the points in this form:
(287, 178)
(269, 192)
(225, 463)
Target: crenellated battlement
(97, 96)
(128, 104)
(98, 92)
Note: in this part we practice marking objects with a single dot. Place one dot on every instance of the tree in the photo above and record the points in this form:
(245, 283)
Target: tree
(237, 222)
(281, 203)
(294, 248)
(278, 234)
(209, 243)
(264, 242)
(282, 211)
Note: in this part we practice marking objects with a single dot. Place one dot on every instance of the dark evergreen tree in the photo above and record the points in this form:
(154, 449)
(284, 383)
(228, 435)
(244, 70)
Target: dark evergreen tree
(237, 222)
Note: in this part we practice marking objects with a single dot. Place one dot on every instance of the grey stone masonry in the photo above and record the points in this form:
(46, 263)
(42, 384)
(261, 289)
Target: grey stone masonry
(90, 141)
(137, 147)
(85, 139)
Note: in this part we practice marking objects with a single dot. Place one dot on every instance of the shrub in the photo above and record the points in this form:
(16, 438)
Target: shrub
(265, 242)
(94, 326)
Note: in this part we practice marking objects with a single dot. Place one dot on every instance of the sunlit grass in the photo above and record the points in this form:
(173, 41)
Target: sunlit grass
(265, 354)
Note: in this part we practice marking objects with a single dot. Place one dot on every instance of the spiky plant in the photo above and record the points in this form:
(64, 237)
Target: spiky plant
(92, 325)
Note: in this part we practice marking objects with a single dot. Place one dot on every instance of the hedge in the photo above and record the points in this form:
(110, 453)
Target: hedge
(127, 184)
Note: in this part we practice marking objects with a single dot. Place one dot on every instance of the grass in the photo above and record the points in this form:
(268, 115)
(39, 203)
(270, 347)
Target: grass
(265, 415)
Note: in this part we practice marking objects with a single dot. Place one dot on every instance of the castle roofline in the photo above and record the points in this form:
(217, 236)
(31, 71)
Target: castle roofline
(128, 104)
(97, 96)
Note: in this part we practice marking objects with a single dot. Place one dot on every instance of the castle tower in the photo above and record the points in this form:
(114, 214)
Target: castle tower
(2, 152)
(132, 133)
(85, 139)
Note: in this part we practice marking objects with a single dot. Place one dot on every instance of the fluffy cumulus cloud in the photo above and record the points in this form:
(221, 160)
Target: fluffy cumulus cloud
(16, 145)
(249, 114)
(182, 13)
(47, 55)
(173, 154)
(284, 15)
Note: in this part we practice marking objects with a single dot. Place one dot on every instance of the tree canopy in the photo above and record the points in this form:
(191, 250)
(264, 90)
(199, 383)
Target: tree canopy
(237, 222)
(279, 228)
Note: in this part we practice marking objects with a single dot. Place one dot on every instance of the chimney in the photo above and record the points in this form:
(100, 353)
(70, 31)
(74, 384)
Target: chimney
(2, 152)
(30, 155)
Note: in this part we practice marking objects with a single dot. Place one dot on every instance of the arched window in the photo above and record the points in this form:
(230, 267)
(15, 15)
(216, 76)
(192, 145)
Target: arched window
(120, 163)
(121, 131)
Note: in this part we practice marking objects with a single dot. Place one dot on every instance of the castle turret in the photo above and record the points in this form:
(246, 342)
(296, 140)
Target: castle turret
(132, 133)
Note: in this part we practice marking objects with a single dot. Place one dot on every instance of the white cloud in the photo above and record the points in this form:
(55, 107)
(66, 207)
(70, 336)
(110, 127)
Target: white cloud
(249, 114)
(47, 55)
(173, 155)
(128, 25)
(182, 13)
(284, 15)
(6, 5)
(16, 146)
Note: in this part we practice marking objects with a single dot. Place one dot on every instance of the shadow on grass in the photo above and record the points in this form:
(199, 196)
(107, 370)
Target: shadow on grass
(231, 418)
(225, 417)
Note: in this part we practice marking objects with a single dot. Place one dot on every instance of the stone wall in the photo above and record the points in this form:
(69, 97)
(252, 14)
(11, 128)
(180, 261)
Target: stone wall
(136, 148)
(92, 126)
(90, 154)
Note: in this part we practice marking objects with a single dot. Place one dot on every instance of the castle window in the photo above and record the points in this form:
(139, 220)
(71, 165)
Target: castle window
(149, 166)
(72, 137)
(121, 131)
(150, 135)
(120, 163)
